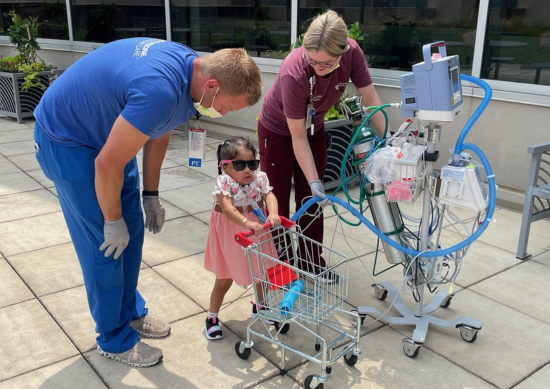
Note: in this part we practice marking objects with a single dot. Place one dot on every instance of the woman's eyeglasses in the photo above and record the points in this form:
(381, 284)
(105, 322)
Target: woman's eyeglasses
(322, 64)
(239, 165)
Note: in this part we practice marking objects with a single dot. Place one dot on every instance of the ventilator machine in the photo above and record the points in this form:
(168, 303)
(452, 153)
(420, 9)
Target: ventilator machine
(396, 171)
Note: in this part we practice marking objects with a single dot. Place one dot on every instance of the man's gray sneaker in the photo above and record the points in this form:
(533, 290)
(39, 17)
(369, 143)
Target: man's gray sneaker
(151, 327)
(141, 355)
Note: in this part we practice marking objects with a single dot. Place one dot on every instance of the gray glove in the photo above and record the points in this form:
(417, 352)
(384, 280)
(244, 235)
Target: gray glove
(318, 190)
(116, 237)
(154, 214)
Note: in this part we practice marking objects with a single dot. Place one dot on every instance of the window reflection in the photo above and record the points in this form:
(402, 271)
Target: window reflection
(96, 21)
(394, 31)
(517, 44)
(51, 14)
(262, 27)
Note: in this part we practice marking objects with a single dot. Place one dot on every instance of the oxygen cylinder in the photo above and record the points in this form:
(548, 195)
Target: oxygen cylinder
(388, 219)
(364, 141)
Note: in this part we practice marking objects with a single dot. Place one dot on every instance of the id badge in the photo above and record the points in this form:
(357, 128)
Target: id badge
(309, 117)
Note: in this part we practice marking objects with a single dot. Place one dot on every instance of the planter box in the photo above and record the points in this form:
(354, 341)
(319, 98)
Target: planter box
(339, 136)
(19, 104)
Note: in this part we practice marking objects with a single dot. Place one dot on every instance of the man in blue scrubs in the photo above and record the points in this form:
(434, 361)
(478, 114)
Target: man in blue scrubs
(90, 124)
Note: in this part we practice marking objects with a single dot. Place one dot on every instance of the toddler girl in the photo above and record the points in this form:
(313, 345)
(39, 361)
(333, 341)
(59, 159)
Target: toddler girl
(238, 186)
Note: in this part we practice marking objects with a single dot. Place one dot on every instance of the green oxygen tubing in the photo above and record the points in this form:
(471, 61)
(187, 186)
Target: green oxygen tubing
(366, 137)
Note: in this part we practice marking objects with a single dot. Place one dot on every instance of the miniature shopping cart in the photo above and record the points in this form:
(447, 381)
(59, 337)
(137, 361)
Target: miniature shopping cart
(305, 298)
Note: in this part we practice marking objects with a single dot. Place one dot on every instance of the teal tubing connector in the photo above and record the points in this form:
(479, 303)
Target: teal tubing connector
(474, 117)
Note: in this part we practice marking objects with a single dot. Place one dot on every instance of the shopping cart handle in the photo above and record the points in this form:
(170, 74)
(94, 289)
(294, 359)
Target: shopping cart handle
(242, 237)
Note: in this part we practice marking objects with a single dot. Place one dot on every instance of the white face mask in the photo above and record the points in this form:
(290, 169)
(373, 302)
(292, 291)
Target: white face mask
(210, 112)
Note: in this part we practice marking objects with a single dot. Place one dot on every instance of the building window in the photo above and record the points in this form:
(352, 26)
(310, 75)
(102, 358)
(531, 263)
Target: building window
(262, 27)
(103, 22)
(517, 42)
(52, 15)
(395, 30)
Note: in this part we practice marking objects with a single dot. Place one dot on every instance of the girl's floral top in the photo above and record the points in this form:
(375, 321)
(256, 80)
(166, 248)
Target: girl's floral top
(241, 194)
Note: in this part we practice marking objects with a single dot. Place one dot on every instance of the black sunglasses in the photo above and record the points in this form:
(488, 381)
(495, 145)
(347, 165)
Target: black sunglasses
(239, 165)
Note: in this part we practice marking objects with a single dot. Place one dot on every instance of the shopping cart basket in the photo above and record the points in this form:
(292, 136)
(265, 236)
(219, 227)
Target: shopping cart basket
(304, 298)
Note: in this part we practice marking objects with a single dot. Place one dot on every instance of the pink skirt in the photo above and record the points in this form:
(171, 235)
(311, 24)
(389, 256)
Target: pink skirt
(225, 257)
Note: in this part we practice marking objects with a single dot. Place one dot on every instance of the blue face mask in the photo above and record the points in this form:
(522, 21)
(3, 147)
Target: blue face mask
(210, 112)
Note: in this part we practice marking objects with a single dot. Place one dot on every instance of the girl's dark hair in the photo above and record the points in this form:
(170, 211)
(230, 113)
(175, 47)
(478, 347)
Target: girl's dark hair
(229, 149)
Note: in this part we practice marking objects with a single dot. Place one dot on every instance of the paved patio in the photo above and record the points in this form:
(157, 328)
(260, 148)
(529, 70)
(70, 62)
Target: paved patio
(48, 339)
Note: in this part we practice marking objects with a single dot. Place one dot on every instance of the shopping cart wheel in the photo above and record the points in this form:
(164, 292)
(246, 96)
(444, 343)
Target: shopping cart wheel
(351, 360)
(312, 382)
(329, 369)
(317, 346)
(285, 328)
(245, 353)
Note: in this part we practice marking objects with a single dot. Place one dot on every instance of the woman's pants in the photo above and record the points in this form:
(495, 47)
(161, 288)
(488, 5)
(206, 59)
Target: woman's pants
(280, 164)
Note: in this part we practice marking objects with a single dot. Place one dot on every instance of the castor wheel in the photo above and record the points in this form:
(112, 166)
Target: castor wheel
(361, 316)
(410, 348)
(285, 328)
(312, 382)
(380, 292)
(350, 360)
(447, 301)
(317, 346)
(468, 334)
(242, 351)
(329, 369)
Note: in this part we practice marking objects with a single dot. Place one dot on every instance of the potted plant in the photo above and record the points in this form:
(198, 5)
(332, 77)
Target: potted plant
(23, 77)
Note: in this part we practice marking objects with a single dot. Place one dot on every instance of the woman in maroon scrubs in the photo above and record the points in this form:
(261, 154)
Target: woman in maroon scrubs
(311, 78)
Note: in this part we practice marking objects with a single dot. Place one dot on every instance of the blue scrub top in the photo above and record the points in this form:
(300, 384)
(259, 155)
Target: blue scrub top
(147, 81)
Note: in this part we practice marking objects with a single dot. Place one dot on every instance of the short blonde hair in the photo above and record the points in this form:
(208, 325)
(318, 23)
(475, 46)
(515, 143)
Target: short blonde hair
(236, 72)
(328, 32)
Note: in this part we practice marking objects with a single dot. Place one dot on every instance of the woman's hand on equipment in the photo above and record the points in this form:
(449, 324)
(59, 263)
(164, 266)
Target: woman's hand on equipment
(257, 227)
(318, 190)
(274, 219)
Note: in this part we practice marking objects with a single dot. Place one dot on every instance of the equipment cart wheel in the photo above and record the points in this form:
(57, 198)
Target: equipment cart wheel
(380, 292)
(469, 334)
(312, 382)
(447, 301)
(350, 360)
(285, 328)
(361, 316)
(242, 351)
(410, 348)
(329, 369)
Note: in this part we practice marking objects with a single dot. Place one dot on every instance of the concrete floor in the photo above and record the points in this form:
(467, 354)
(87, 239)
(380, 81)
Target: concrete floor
(48, 339)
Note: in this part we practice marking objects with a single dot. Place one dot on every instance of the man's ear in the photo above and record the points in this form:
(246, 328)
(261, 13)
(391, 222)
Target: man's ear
(212, 84)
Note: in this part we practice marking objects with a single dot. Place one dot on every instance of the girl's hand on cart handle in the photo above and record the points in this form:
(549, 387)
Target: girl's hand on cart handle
(256, 228)
(274, 219)
(241, 237)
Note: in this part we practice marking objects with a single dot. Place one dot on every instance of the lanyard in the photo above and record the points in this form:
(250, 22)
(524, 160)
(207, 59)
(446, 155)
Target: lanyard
(310, 106)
